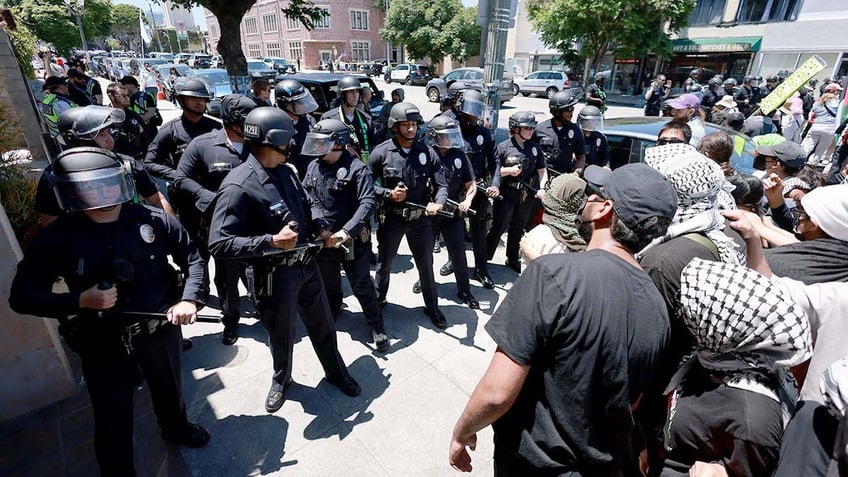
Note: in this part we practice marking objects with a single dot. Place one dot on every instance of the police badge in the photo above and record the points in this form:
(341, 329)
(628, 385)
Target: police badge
(147, 234)
(457, 163)
(422, 158)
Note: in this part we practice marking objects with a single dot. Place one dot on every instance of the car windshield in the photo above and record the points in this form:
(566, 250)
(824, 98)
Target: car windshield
(215, 77)
(256, 65)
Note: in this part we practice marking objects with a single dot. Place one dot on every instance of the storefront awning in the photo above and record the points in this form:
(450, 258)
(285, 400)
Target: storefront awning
(717, 45)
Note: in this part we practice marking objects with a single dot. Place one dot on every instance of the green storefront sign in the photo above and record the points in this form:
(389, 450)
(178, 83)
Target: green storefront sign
(717, 45)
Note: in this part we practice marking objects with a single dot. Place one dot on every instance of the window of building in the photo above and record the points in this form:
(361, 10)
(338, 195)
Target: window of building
(707, 12)
(269, 23)
(250, 26)
(295, 50)
(273, 49)
(360, 51)
(292, 24)
(324, 20)
(213, 30)
(254, 50)
(761, 11)
(358, 20)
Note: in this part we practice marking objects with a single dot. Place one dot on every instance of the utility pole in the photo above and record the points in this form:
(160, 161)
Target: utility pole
(155, 28)
(500, 18)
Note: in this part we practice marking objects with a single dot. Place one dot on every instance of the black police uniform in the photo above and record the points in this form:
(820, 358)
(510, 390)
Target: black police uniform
(480, 149)
(242, 225)
(301, 129)
(745, 93)
(457, 171)
(360, 125)
(344, 191)
(567, 141)
(132, 138)
(597, 153)
(47, 204)
(514, 210)
(132, 253)
(419, 169)
(164, 154)
(80, 95)
(203, 166)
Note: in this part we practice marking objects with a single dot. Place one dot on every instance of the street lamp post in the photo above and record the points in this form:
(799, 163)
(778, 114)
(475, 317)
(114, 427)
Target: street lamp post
(71, 4)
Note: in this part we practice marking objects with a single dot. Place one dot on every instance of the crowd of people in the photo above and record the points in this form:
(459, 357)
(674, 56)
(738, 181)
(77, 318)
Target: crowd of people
(668, 318)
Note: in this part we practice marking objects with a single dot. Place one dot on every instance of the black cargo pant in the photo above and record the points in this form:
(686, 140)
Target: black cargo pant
(357, 270)
(509, 215)
(453, 231)
(419, 236)
(479, 225)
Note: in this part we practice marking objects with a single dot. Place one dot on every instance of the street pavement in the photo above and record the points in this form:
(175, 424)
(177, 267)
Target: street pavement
(399, 426)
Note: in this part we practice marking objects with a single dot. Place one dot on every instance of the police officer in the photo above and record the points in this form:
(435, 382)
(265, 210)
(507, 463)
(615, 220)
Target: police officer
(404, 170)
(92, 126)
(729, 86)
(144, 104)
(262, 209)
(341, 185)
(299, 104)
(347, 112)
(711, 96)
(91, 86)
(560, 138)
(444, 135)
(203, 166)
(595, 94)
(693, 79)
(449, 105)
(131, 138)
(124, 306)
(78, 88)
(523, 173)
(55, 102)
(744, 97)
(480, 149)
(589, 121)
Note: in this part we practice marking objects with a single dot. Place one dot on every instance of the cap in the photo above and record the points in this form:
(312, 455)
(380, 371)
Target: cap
(687, 101)
(129, 80)
(770, 139)
(828, 207)
(637, 190)
(52, 82)
(832, 88)
(788, 152)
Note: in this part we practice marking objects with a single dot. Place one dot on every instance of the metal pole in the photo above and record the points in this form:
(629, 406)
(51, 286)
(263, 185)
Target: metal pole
(153, 20)
(495, 52)
(388, 45)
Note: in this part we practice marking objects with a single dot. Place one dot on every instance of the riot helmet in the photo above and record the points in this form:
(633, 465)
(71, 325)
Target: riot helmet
(456, 89)
(77, 125)
(590, 118)
(714, 81)
(471, 103)
(404, 111)
(195, 87)
(730, 82)
(444, 132)
(560, 101)
(348, 83)
(696, 88)
(599, 77)
(234, 108)
(324, 135)
(747, 79)
(522, 119)
(292, 97)
(87, 178)
(268, 126)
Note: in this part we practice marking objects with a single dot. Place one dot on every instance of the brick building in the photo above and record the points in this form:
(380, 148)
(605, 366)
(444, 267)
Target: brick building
(349, 32)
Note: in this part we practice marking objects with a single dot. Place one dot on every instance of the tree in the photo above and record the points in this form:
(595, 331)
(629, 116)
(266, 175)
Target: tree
(50, 21)
(230, 13)
(432, 29)
(125, 25)
(595, 27)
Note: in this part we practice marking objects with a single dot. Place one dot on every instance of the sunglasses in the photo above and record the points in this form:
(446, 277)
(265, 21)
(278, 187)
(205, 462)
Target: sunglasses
(592, 189)
(669, 140)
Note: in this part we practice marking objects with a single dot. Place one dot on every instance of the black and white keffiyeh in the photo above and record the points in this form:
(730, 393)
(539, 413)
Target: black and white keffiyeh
(701, 194)
(834, 387)
(747, 330)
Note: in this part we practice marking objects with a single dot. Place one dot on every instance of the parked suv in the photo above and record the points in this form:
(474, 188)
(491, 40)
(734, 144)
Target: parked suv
(200, 61)
(546, 83)
(437, 88)
(258, 69)
(408, 74)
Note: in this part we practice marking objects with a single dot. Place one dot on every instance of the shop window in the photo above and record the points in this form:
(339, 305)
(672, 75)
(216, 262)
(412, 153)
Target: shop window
(761, 11)
(707, 12)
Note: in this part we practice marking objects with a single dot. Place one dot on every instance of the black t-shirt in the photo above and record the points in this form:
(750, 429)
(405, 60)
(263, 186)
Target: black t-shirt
(712, 422)
(591, 353)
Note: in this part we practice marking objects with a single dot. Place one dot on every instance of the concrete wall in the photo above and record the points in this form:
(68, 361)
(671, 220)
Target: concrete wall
(13, 90)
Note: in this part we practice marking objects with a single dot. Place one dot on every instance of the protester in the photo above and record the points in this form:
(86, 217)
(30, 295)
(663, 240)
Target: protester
(558, 231)
(718, 146)
(687, 108)
(818, 144)
(722, 110)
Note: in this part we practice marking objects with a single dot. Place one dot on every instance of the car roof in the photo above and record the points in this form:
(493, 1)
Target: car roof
(320, 77)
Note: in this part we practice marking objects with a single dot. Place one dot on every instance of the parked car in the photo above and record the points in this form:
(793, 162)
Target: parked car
(628, 138)
(372, 69)
(199, 61)
(546, 83)
(281, 65)
(182, 58)
(220, 82)
(257, 68)
(437, 88)
(323, 89)
(408, 74)
(216, 61)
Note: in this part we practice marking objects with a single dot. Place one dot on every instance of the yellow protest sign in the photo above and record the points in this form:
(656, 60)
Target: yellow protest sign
(792, 83)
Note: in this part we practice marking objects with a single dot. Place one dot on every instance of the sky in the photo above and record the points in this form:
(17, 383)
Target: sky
(196, 12)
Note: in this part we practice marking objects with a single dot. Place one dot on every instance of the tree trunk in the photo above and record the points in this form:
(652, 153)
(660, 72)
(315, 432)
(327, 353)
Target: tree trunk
(229, 46)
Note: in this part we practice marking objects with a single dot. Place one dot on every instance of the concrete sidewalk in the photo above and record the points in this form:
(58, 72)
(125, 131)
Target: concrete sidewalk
(399, 426)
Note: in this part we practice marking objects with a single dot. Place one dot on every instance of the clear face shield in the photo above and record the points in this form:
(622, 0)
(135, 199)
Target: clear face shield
(96, 189)
(472, 107)
(450, 138)
(302, 104)
(590, 123)
(318, 144)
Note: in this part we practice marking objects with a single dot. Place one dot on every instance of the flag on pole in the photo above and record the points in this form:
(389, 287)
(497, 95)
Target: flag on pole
(145, 35)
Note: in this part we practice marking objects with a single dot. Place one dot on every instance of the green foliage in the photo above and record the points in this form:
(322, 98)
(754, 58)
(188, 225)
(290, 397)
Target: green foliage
(125, 26)
(23, 42)
(17, 187)
(432, 29)
(51, 22)
(593, 27)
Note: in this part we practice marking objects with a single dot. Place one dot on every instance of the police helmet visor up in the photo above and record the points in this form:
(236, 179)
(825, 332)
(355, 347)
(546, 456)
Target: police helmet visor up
(472, 107)
(94, 189)
(447, 138)
(83, 124)
(318, 144)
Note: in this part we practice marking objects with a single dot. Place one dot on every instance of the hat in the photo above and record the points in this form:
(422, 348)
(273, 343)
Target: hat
(72, 73)
(637, 190)
(828, 207)
(687, 101)
(52, 82)
(127, 80)
(790, 153)
(832, 88)
(770, 139)
(727, 102)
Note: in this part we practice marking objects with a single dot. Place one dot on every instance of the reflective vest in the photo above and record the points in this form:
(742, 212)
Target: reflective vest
(51, 116)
